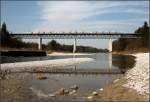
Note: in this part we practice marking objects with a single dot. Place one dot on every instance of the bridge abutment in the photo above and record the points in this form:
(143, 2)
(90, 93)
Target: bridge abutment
(40, 44)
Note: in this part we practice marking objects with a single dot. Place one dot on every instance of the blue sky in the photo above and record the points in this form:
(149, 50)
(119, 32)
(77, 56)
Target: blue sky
(87, 16)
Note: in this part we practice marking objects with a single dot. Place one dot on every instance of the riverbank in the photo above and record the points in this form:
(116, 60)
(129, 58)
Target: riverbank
(23, 53)
(42, 66)
(28, 53)
(133, 87)
(67, 54)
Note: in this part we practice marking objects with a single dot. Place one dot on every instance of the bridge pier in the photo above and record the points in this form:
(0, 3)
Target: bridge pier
(110, 45)
(74, 46)
(40, 44)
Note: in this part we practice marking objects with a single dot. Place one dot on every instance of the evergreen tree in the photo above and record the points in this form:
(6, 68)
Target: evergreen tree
(145, 34)
(4, 35)
(144, 31)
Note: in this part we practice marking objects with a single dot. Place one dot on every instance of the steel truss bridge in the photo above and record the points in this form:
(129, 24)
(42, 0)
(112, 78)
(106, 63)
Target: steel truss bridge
(76, 35)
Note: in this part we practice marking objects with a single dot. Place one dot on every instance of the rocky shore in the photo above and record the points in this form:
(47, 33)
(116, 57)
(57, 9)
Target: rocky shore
(138, 77)
(60, 92)
(132, 87)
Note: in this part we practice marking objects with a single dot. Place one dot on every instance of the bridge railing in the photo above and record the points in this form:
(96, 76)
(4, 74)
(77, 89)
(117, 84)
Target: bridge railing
(75, 36)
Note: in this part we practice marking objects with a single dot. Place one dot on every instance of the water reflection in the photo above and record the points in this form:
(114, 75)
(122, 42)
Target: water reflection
(104, 63)
(110, 60)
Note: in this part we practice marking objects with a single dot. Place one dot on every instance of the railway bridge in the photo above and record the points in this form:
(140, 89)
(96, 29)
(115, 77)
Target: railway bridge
(75, 36)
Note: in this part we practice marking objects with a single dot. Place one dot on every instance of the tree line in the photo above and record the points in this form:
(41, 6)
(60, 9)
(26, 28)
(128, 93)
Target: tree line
(9, 42)
(69, 48)
(134, 44)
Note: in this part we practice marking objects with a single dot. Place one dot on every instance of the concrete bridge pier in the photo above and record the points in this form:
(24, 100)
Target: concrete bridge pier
(74, 46)
(110, 45)
(40, 44)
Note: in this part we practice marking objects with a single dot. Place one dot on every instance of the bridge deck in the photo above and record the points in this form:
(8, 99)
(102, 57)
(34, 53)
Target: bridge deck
(75, 35)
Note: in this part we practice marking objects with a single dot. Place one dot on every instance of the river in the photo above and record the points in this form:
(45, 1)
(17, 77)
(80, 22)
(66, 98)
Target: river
(26, 87)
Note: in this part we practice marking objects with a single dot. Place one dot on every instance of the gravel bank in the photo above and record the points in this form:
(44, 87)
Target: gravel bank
(68, 54)
(132, 87)
(138, 77)
(41, 65)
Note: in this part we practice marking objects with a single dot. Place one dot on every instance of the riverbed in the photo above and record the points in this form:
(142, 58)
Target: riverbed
(27, 86)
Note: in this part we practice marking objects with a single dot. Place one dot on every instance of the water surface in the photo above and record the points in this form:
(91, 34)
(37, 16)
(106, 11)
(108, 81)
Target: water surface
(26, 87)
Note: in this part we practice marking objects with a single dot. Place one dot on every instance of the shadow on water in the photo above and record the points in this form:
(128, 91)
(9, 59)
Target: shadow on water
(123, 62)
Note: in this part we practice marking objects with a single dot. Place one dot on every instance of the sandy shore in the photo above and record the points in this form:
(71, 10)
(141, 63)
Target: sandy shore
(42, 65)
(69, 54)
(133, 87)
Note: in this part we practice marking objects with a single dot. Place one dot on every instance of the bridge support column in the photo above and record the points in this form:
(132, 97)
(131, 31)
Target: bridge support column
(110, 45)
(74, 46)
(40, 44)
